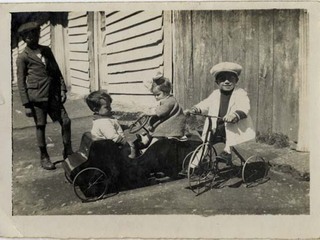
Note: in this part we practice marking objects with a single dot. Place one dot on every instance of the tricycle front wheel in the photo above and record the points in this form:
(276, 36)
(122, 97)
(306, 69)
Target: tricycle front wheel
(201, 171)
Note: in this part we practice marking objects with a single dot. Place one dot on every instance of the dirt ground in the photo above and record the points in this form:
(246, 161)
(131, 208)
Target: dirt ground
(40, 192)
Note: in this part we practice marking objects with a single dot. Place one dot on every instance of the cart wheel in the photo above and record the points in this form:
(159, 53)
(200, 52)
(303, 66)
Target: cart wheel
(91, 184)
(201, 171)
(255, 171)
(67, 177)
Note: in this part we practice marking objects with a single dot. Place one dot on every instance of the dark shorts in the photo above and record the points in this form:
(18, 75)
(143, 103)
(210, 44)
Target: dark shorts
(53, 108)
(220, 134)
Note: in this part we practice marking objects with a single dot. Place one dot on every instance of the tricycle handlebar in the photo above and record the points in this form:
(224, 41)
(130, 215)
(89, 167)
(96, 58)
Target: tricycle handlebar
(205, 115)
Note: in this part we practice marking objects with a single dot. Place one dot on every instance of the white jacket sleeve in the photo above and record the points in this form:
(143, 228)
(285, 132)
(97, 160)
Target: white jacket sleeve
(242, 103)
(204, 105)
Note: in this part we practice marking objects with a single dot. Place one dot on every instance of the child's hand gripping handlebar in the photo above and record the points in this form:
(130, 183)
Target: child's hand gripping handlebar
(189, 112)
(230, 118)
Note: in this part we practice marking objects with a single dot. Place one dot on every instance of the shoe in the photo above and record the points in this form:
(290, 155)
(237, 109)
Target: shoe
(226, 158)
(138, 142)
(132, 155)
(47, 164)
(195, 171)
(159, 175)
(183, 172)
(142, 141)
(138, 136)
(145, 139)
(134, 148)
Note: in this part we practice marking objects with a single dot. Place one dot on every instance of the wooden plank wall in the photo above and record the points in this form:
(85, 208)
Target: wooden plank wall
(45, 39)
(14, 55)
(286, 72)
(264, 42)
(132, 51)
(59, 46)
(78, 52)
(45, 35)
(304, 132)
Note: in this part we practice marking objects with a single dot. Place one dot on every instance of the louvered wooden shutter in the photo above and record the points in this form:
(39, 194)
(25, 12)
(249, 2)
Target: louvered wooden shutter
(78, 52)
(132, 51)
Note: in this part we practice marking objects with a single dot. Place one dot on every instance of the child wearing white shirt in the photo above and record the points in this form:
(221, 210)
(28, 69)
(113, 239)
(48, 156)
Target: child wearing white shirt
(104, 125)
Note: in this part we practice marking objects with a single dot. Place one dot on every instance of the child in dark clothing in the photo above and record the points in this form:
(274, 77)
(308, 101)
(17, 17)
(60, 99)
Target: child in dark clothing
(167, 118)
(42, 90)
(231, 104)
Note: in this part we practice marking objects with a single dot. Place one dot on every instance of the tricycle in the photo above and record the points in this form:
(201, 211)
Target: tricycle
(206, 170)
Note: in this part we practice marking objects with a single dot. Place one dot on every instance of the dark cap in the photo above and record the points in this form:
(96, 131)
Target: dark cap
(26, 27)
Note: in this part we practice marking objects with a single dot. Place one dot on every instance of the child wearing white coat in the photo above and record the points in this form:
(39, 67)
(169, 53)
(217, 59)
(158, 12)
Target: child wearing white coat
(231, 104)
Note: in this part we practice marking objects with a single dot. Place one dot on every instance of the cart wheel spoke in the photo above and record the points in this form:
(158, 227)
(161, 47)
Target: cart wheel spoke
(201, 169)
(255, 171)
(91, 184)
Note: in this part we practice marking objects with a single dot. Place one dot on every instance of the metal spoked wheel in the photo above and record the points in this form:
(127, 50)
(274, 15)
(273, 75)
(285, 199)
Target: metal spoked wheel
(201, 168)
(255, 171)
(91, 184)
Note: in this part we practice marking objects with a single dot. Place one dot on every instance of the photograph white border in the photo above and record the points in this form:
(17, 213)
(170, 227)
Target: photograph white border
(159, 226)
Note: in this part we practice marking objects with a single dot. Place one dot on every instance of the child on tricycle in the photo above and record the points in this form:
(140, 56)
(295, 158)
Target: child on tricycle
(231, 105)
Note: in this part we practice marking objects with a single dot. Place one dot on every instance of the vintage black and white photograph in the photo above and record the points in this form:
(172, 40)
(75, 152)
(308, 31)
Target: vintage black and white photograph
(160, 110)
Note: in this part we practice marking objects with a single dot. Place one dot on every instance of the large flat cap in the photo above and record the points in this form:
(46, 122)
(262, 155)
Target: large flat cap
(226, 67)
(26, 27)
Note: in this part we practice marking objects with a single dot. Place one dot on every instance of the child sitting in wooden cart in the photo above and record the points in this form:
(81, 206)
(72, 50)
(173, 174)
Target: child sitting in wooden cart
(104, 125)
(167, 119)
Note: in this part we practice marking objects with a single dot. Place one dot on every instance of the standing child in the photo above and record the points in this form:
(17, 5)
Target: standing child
(42, 90)
(104, 125)
(167, 118)
(231, 104)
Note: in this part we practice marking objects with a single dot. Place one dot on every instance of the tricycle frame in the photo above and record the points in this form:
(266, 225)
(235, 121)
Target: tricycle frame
(204, 167)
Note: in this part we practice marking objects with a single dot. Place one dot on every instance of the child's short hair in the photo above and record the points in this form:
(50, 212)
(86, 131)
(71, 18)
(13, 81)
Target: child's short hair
(162, 84)
(93, 100)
